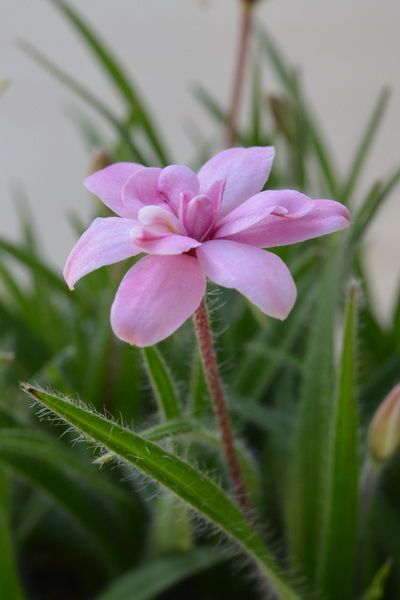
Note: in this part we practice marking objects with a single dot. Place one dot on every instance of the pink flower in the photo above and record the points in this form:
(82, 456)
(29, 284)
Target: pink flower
(213, 224)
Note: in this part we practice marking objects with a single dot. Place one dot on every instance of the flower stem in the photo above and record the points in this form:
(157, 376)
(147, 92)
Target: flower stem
(211, 371)
(238, 80)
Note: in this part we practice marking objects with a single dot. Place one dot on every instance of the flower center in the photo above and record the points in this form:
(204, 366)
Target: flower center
(197, 215)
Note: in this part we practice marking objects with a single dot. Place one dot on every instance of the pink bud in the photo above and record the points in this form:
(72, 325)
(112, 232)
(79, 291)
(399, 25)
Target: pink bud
(384, 430)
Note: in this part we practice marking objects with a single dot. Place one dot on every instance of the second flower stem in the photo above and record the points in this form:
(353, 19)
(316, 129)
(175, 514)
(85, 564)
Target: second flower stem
(247, 7)
(211, 371)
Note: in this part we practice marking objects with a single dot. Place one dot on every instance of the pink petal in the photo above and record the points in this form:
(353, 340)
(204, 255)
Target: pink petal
(161, 218)
(283, 203)
(154, 241)
(155, 297)
(259, 275)
(199, 216)
(107, 184)
(175, 180)
(216, 193)
(141, 189)
(105, 242)
(245, 170)
(326, 216)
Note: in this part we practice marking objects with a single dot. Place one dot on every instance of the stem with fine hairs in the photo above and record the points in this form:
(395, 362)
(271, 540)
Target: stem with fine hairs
(211, 371)
(247, 7)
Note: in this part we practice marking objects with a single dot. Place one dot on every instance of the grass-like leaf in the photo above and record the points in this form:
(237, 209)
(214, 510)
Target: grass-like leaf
(340, 534)
(10, 585)
(162, 383)
(305, 509)
(117, 75)
(192, 486)
(366, 142)
(376, 589)
(34, 265)
(86, 96)
(374, 201)
(146, 582)
(291, 86)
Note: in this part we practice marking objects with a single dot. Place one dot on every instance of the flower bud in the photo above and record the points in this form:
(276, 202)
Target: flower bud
(99, 160)
(384, 430)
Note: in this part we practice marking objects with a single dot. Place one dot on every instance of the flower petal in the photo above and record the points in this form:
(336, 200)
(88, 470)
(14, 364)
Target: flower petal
(141, 189)
(325, 216)
(259, 275)
(107, 184)
(175, 180)
(155, 297)
(105, 242)
(154, 241)
(245, 170)
(283, 203)
(199, 216)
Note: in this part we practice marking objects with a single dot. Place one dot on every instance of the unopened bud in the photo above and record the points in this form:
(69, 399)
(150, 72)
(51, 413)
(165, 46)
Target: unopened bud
(283, 116)
(384, 430)
(100, 159)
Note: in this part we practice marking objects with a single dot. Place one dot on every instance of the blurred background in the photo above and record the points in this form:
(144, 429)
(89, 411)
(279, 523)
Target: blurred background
(346, 52)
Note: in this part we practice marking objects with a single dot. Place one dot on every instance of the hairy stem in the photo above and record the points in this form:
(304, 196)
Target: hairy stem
(238, 79)
(213, 379)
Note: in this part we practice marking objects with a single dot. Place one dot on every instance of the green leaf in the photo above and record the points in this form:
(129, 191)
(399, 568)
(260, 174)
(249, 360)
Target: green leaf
(306, 491)
(34, 265)
(177, 428)
(162, 383)
(338, 557)
(116, 75)
(377, 588)
(150, 580)
(10, 585)
(255, 374)
(292, 88)
(171, 526)
(86, 96)
(192, 486)
(365, 145)
(93, 502)
(373, 202)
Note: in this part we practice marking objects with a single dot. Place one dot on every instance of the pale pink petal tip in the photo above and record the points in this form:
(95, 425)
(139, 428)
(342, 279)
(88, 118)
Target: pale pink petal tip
(245, 171)
(105, 242)
(107, 185)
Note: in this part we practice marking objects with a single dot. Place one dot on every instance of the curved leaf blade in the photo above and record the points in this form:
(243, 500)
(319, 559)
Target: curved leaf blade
(86, 96)
(192, 486)
(116, 74)
(162, 383)
(365, 144)
(339, 554)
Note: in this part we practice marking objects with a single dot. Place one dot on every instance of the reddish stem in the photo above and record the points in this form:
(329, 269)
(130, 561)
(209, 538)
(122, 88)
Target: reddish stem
(213, 379)
(245, 34)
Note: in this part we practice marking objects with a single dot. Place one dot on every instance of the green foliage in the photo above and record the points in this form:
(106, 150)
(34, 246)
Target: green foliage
(299, 408)
(338, 557)
(145, 582)
(189, 484)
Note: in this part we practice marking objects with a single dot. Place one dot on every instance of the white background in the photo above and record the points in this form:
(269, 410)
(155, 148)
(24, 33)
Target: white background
(347, 51)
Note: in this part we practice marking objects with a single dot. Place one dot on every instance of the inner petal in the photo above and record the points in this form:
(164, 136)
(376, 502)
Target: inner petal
(141, 189)
(199, 216)
(160, 219)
